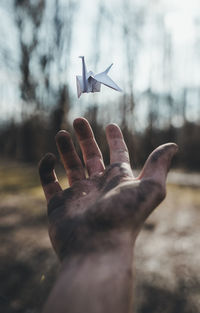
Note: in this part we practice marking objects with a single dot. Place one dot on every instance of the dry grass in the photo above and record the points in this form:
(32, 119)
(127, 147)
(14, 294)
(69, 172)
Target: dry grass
(168, 256)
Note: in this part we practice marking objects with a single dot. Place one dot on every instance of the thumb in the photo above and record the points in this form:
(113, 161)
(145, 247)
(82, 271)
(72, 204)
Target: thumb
(158, 163)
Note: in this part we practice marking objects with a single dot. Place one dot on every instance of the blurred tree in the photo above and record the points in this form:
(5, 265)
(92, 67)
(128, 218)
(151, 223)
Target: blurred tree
(28, 19)
(184, 104)
(188, 140)
(45, 46)
(167, 71)
(132, 20)
(98, 27)
(63, 29)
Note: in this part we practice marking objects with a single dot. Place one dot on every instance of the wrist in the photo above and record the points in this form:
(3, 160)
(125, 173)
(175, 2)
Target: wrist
(92, 275)
(92, 278)
(113, 242)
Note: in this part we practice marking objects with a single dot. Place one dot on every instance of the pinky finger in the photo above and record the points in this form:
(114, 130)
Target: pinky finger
(48, 177)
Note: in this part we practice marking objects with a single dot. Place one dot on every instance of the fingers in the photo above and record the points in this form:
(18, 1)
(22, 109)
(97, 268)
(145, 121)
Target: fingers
(118, 149)
(69, 157)
(158, 163)
(48, 177)
(91, 153)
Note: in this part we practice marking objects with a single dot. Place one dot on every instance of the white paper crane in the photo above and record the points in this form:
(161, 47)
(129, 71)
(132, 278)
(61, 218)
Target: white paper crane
(89, 82)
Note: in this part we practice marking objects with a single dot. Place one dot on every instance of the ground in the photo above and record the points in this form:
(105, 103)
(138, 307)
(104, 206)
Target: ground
(167, 256)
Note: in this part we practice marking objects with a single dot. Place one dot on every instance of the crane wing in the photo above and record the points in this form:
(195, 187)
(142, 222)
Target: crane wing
(103, 78)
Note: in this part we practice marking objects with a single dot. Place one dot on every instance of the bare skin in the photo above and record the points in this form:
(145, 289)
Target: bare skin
(94, 223)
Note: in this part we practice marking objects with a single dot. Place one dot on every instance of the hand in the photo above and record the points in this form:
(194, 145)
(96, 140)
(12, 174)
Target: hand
(88, 215)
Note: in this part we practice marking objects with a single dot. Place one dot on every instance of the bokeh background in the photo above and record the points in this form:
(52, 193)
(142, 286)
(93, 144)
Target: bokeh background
(155, 48)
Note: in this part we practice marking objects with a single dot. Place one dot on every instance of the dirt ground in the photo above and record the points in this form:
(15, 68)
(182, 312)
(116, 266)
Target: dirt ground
(167, 255)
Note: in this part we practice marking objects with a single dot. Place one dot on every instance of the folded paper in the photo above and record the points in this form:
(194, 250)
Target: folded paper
(89, 82)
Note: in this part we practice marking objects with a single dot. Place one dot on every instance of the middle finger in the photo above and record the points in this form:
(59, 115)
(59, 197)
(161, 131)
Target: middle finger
(91, 153)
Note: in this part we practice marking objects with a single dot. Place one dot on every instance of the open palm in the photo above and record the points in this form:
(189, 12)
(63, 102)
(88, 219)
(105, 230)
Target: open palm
(110, 201)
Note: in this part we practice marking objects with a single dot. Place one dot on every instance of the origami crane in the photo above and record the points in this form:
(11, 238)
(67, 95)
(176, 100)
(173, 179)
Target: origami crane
(89, 82)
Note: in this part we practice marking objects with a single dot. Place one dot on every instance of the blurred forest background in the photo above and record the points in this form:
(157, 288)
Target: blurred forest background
(154, 45)
(155, 49)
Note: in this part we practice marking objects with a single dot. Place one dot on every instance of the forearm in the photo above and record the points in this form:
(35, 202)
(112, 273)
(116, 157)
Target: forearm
(94, 282)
